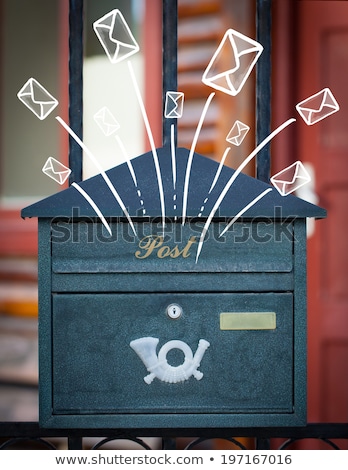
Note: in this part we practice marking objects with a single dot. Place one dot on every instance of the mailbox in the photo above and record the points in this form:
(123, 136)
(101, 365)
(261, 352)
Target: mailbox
(155, 320)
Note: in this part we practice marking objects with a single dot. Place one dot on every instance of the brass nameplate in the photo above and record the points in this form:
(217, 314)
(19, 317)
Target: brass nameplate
(247, 321)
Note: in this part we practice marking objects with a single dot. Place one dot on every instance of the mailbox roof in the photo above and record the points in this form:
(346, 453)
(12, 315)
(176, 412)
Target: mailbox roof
(146, 195)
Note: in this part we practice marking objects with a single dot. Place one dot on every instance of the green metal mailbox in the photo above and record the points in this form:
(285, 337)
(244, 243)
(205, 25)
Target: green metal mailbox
(155, 321)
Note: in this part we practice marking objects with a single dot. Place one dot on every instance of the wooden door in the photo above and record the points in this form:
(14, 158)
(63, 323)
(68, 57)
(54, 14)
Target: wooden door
(322, 61)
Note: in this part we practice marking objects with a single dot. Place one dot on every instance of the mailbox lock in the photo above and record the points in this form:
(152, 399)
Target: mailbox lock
(174, 311)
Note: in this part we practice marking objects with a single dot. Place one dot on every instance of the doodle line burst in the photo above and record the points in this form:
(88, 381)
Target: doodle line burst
(312, 110)
(187, 174)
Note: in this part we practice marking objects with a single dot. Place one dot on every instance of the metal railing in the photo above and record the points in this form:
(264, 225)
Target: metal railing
(23, 435)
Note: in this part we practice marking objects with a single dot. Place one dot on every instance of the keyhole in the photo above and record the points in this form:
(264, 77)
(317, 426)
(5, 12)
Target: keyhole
(174, 311)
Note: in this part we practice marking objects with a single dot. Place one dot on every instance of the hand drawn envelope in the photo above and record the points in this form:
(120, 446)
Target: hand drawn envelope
(115, 36)
(291, 178)
(56, 170)
(317, 107)
(174, 104)
(106, 121)
(237, 133)
(232, 63)
(37, 99)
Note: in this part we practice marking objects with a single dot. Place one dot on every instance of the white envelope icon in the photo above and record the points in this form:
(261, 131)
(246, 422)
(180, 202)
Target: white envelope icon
(291, 178)
(56, 170)
(174, 104)
(237, 133)
(317, 107)
(37, 99)
(232, 63)
(115, 36)
(106, 121)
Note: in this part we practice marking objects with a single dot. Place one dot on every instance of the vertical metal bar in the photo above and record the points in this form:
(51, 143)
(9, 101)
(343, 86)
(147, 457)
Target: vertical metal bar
(168, 443)
(263, 87)
(262, 443)
(75, 86)
(75, 443)
(170, 60)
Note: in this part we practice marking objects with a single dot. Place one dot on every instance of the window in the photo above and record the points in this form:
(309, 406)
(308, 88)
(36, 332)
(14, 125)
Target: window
(30, 48)
(110, 85)
(34, 44)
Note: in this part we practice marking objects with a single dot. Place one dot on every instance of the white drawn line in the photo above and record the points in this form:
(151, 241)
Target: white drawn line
(173, 153)
(100, 169)
(151, 140)
(190, 158)
(240, 213)
(131, 170)
(234, 176)
(93, 204)
(219, 169)
(172, 144)
(128, 161)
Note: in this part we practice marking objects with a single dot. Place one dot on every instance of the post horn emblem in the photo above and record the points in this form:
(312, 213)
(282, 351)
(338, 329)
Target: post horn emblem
(158, 365)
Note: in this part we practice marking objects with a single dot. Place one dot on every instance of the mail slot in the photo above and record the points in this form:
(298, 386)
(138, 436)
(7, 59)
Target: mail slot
(172, 323)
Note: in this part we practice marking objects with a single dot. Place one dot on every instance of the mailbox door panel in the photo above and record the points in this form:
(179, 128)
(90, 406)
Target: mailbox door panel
(128, 353)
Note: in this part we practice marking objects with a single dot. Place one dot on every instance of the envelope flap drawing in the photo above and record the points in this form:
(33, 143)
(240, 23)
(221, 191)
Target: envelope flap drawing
(291, 178)
(288, 175)
(175, 96)
(174, 104)
(37, 98)
(237, 133)
(56, 170)
(241, 126)
(232, 62)
(115, 36)
(106, 121)
(318, 106)
(314, 103)
(242, 44)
